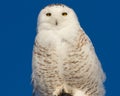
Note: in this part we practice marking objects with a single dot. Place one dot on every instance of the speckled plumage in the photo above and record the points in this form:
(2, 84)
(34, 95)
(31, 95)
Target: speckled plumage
(64, 57)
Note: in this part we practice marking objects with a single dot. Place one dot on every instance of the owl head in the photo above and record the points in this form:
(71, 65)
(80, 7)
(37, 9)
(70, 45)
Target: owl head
(57, 15)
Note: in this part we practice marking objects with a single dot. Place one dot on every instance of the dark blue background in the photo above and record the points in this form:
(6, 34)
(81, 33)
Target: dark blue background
(99, 18)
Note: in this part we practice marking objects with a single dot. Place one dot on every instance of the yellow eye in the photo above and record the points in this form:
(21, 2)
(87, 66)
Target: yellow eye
(48, 14)
(64, 14)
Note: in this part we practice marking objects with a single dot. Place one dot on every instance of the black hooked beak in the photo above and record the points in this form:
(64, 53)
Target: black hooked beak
(56, 23)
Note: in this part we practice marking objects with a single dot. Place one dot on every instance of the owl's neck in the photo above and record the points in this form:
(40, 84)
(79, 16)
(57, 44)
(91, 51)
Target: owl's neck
(51, 35)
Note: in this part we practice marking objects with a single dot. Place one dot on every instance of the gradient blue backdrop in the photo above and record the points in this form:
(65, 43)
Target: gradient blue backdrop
(99, 18)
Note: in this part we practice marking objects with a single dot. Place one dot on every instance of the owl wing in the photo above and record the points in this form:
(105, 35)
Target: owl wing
(86, 45)
(33, 77)
(82, 68)
(35, 70)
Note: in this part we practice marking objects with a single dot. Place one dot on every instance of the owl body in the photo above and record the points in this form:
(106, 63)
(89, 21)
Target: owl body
(63, 56)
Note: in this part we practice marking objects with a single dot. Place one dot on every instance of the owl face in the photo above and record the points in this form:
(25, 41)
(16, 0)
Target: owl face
(56, 15)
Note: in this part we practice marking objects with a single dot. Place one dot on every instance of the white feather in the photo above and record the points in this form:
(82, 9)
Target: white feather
(58, 35)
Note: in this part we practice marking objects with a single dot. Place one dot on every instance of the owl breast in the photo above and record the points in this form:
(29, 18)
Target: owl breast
(48, 62)
(58, 60)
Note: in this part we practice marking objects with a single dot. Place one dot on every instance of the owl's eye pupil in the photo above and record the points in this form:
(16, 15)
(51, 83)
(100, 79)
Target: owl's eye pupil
(64, 13)
(48, 14)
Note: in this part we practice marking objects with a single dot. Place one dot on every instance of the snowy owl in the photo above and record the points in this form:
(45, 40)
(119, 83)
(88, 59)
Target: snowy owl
(64, 59)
